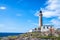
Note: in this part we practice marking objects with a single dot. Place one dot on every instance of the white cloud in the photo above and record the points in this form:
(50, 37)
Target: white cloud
(30, 31)
(55, 22)
(52, 10)
(2, 7)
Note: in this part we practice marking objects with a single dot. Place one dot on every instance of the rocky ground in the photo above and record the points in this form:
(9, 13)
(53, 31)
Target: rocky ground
(34, 36)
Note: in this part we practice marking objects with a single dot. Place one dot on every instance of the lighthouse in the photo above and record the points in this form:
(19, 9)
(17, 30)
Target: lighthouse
(40, 20)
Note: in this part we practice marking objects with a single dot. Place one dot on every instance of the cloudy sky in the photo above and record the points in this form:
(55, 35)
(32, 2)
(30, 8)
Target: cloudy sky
(22, 15)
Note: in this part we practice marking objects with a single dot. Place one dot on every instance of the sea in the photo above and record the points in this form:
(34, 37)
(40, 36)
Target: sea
(9, 34)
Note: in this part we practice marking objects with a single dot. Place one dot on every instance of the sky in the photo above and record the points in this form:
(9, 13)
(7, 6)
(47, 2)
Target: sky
(22, 15)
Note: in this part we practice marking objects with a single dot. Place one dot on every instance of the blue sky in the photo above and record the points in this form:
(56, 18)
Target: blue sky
(22, 15)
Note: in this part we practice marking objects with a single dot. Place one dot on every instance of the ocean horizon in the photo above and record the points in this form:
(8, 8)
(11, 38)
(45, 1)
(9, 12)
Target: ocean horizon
(9, 34)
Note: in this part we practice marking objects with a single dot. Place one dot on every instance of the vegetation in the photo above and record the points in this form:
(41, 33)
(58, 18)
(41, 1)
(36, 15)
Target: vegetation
(38, 35)
(58, 38)
(12, 36)
(0, 38)
(35, 35)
